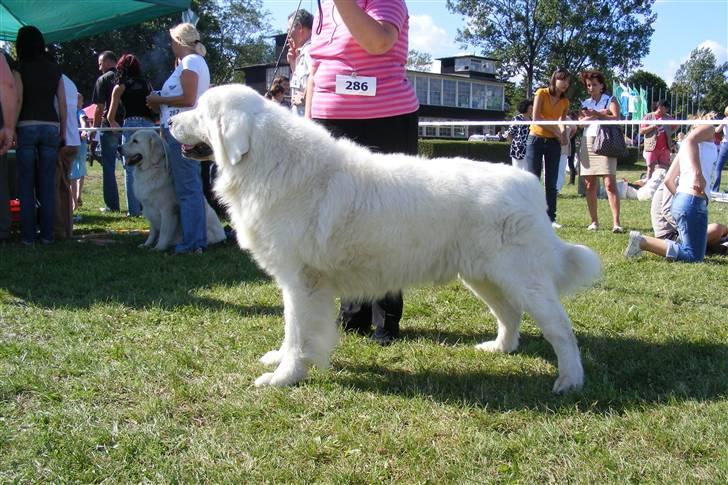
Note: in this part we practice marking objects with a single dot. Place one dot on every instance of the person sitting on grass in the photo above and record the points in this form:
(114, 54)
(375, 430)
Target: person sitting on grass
(694, 164)
(665, 227)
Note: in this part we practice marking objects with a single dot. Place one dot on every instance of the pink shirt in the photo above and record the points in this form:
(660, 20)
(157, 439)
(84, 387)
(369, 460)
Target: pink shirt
(335, 52)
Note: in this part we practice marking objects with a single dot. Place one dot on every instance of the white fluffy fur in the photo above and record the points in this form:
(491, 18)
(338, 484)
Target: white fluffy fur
(153, 187)
(329, 218)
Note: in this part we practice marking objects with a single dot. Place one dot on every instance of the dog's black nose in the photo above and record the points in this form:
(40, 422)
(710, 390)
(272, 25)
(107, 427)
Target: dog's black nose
(169, 123)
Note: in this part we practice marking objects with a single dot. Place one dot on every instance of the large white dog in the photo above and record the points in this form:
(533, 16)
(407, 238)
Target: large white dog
(153, 187)
(329, 218)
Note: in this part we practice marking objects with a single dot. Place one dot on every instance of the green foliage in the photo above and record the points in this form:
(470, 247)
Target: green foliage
(651, 82)
(233, 33)
(532, 37)
(703, 81)
(419, 61)
(488, 151)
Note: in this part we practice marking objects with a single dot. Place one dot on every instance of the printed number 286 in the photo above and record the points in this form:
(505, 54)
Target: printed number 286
(356, 86)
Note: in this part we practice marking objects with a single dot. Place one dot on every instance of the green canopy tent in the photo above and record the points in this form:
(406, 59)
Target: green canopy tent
(62, 20)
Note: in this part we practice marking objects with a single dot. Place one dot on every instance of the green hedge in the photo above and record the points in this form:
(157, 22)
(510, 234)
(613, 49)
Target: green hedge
(489, 151)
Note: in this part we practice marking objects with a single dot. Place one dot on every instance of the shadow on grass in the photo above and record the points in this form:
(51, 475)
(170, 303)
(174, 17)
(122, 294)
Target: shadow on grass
(621, 374)
(81, 274)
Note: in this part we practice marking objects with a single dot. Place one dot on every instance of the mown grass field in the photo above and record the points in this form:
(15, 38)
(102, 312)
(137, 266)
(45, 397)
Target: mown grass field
(122, 365)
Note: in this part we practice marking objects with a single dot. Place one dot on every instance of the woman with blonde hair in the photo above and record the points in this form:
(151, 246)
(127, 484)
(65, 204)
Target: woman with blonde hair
(694, 165)
(180, 92)
(598, 106)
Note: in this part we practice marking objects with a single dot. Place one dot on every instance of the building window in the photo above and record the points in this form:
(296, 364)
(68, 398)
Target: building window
(436, 92)
(430, 130)
(494, 98)
(478, 100)
(463, 94)
(446, 131)
(459, 131)
(421, 89)
(448, 92)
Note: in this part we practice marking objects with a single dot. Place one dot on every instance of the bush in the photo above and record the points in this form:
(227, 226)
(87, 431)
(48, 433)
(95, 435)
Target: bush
(489, 151)
(475, 150)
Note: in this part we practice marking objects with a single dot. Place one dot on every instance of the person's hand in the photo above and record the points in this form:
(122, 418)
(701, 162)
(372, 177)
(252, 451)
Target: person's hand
(6, 139)
(297, 98)
(153, 100)
(292, 53)
(564, 138)
(699, 184)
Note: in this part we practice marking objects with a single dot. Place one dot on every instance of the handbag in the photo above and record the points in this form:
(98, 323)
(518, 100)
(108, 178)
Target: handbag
(609, 141)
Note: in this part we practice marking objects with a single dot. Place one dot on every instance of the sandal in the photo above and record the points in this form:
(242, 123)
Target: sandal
(617, 230)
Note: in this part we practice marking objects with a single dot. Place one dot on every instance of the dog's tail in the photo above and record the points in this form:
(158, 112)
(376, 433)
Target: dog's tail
(579, 267)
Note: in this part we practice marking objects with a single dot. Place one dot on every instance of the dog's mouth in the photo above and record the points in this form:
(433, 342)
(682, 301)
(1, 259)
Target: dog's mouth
(134, 159)
(199, 151)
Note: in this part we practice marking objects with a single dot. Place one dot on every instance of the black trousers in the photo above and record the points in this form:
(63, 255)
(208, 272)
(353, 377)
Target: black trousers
(397, 134)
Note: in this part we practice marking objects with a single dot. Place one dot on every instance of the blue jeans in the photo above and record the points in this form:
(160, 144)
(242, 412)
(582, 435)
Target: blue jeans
(36, 155)
(691, 216)
(133, 206)
(545, 153)
(109, 146)
(187, 178)
(722, 157)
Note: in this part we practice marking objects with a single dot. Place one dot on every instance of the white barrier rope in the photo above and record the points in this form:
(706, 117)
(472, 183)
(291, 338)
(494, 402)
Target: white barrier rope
(575, 122)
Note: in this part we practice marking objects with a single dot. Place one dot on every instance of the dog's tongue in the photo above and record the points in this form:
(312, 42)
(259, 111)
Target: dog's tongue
(187, 147)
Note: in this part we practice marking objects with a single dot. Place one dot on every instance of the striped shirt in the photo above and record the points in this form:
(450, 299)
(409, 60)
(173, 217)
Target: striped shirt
(335, 52)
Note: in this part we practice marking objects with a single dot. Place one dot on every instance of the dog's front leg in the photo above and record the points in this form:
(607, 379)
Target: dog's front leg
(153, 235)
(310, 336)
(168, 230)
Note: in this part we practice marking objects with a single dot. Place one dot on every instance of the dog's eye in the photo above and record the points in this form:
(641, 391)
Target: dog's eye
(133, 141)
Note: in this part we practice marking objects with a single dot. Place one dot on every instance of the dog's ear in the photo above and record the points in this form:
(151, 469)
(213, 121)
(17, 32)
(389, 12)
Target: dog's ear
(231, 138)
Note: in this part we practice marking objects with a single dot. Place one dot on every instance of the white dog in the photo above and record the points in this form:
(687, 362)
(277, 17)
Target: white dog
(154, 188)
(329, 218)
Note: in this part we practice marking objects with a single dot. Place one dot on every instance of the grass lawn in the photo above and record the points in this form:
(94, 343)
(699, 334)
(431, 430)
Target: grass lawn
(122, 365)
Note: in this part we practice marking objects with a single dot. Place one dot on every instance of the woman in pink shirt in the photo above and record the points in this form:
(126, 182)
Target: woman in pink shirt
(358, 89)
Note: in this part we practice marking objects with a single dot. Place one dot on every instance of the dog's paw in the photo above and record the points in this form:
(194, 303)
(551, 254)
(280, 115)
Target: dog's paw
(271, 358)
(566, 383)
(264, 380)
(495, 346)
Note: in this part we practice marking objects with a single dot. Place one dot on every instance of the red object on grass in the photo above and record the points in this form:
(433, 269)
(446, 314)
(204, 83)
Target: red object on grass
(14, 210)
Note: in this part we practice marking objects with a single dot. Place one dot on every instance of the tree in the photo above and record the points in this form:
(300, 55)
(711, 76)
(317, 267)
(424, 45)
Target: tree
(419, 61)
(532, 37)
(703, 81)
(233, 32)
(647, 80)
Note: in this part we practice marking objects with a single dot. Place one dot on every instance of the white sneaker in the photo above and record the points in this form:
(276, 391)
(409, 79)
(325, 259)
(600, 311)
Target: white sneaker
(556, 225)
(592, 227)
(633, 245)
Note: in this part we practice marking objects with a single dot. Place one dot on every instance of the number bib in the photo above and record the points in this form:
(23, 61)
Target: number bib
(356, 85)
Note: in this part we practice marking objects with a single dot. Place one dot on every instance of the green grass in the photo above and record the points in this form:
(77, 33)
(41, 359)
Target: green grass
(121, 365)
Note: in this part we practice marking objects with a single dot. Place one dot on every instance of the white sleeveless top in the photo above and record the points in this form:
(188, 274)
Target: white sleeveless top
(603, 103)
(708, 159)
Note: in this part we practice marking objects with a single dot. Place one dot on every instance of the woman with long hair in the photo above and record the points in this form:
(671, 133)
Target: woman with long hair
(131, 91)
(40, 132)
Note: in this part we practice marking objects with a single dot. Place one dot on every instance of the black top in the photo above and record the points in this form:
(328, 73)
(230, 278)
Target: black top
(40, 84)
(134, 98)
(102, 94)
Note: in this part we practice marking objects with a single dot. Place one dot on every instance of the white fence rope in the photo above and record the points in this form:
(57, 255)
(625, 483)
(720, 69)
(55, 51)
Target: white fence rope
(575, 122)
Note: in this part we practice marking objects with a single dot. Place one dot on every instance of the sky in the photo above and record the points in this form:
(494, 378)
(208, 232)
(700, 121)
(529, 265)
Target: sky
(681, 26)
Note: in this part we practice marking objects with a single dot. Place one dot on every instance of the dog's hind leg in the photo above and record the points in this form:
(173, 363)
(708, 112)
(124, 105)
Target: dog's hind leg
(310, 336)
(506, 311)
(544, 306)
(168, 230)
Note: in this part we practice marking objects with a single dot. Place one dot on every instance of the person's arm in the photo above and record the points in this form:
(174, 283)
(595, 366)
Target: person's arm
(610, 113)
(61, 94)
(309, 91)
(9, 102)
(670, 180)
(691, 150)
(373, 36)
(19, 96)
(645, 129)
(114, 104)
(188, 98)
(536, 116)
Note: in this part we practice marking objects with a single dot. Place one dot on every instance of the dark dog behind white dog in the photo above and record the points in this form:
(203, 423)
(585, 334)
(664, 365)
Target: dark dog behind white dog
(153, 187)
(329, 218)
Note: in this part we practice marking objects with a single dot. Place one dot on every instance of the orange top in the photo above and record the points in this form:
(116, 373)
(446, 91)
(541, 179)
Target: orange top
(549, 111)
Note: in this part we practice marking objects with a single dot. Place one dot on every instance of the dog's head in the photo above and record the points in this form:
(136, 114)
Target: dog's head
(144, 149)
(220, 124)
